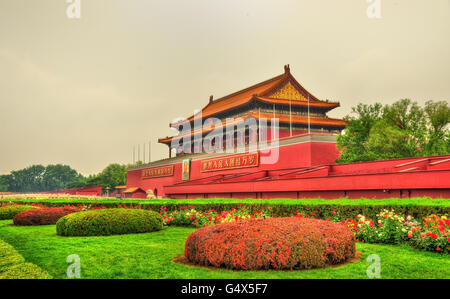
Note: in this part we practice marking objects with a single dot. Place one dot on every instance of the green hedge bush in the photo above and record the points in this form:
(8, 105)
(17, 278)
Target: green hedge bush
(13, 265)
(109, 222)
(418, 207)
(8, 212)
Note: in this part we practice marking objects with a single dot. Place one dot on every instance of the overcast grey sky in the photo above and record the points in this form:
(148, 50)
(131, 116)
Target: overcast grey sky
(84, 91)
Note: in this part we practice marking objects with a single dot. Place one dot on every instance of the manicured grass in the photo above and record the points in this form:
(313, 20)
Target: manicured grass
(150, 255)
(13, 265)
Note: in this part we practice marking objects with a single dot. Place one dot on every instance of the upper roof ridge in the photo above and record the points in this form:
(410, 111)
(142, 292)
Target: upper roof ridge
(249, 88)
(263, 89)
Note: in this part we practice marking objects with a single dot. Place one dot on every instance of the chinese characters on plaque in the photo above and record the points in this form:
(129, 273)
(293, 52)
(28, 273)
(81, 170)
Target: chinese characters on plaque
(157, 172)
(230, 162)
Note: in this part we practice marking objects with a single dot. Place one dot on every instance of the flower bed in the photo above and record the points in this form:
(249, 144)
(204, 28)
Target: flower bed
(432, 234)
(274, 243)
(44, 216)
(9, 211)
(189, 216)
(109, 222)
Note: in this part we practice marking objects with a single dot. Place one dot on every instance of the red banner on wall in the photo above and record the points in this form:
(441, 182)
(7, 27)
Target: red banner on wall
(230, 162)
(157, 172)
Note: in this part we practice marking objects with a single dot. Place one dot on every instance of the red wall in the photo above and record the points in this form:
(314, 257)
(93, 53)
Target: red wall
(290, 156)
(88, 191)
(422, 183)
(308, 170)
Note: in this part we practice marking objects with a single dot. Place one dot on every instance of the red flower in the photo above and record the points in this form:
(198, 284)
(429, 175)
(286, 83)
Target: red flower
(438, 249)
(434, 236)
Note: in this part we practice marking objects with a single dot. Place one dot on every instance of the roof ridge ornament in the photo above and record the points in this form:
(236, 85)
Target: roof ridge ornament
(287, 69)
(211, 98)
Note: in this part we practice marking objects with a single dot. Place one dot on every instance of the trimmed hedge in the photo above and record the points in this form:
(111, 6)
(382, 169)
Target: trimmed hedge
(109, 222)
(13, 265)
(44, 216)
(8, 212)
(347, 208)
(274, 243)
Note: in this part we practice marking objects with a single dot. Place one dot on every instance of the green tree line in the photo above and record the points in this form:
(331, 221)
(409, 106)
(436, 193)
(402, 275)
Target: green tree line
(39, 178)
(403, 129)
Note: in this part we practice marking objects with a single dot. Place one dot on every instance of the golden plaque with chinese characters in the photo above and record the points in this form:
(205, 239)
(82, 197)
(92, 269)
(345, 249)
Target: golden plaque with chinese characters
(230, 162)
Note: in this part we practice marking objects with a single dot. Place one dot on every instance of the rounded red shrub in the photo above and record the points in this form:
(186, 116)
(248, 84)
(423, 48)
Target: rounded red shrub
(42, 216)
(274, 243)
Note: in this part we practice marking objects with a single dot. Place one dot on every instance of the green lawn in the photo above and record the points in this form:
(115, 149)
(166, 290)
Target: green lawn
(149, 256)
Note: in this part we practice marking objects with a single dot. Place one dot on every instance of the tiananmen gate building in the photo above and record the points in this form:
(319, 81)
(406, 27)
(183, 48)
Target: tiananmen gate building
(296, 161)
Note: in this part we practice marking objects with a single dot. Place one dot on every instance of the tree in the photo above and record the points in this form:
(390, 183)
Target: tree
(58, 177)
(403, 129)
(352, 141)
(409, 118)
(38, 178)
(386, 141)
(4, 183)
(27, 180)
(112, 176)
(438, 114)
